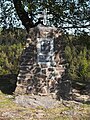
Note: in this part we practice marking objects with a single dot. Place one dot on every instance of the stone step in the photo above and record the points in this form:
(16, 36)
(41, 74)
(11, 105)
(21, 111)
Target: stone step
(28, 61)
(27, 57)
(60, 66)
(23, 79)
(24, 75)
(63, 62)
(25, 67)
(26, 64)
(24, 71)
(28, 53)
(28, 48)
(61, 71)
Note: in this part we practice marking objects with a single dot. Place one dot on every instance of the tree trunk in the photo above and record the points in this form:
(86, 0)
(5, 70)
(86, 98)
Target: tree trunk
(23, 15)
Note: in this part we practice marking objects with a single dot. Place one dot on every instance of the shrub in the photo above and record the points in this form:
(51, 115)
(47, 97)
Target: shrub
(77, 53)
(11, 47)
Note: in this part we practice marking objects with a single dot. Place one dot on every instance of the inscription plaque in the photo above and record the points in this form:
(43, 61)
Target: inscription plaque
(45, 50)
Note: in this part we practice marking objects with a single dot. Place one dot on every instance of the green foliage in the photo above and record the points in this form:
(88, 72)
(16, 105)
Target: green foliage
(66, 13)
(77, 52)
(68, 53)
(10, 50)
(8, 16)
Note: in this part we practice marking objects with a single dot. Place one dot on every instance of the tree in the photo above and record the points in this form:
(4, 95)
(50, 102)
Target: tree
(77, 54)
(66, 13)
(8, 16)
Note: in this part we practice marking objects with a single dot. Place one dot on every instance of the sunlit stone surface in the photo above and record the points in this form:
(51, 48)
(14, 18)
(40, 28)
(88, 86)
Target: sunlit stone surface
(42, 61)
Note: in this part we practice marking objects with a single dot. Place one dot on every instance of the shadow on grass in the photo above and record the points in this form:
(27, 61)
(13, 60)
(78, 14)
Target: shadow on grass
(8, 83)
(78, 91)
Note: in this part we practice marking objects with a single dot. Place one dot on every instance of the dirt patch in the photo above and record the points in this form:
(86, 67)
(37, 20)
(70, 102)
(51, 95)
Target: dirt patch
(36, 101)
(34, 107)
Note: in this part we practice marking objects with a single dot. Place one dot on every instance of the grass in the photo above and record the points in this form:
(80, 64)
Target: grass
(11, 111)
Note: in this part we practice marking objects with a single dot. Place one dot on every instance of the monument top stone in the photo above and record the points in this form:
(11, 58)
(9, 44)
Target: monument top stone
(41, 62)
(45, 16)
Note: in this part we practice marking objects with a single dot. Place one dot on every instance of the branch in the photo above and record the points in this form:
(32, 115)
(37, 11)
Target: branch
(83, 26)
(23, 15)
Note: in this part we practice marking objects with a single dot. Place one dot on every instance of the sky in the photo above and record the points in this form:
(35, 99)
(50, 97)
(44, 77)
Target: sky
(17, 22)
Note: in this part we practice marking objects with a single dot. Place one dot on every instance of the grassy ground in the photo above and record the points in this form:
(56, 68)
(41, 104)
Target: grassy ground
(71, 111)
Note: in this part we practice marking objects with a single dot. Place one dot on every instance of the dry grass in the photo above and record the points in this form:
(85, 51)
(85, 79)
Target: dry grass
(11, 111)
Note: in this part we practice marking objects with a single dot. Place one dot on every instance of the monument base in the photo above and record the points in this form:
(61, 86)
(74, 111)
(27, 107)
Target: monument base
(42, 62)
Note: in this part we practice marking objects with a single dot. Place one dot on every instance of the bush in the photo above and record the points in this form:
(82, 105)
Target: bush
(10, 50)
(77, 53)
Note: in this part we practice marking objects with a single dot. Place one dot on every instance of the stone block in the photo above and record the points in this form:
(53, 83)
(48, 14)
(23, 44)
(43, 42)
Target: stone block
(51, 69)
(42, 77)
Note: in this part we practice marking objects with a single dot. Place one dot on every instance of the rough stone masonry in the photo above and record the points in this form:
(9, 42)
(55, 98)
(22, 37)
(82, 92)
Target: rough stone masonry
(42, 61)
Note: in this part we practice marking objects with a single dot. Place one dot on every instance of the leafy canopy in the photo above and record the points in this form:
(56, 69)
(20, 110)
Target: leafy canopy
(66, 14)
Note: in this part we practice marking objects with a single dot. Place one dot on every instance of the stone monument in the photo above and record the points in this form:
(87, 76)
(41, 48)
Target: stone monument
(41, 63)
